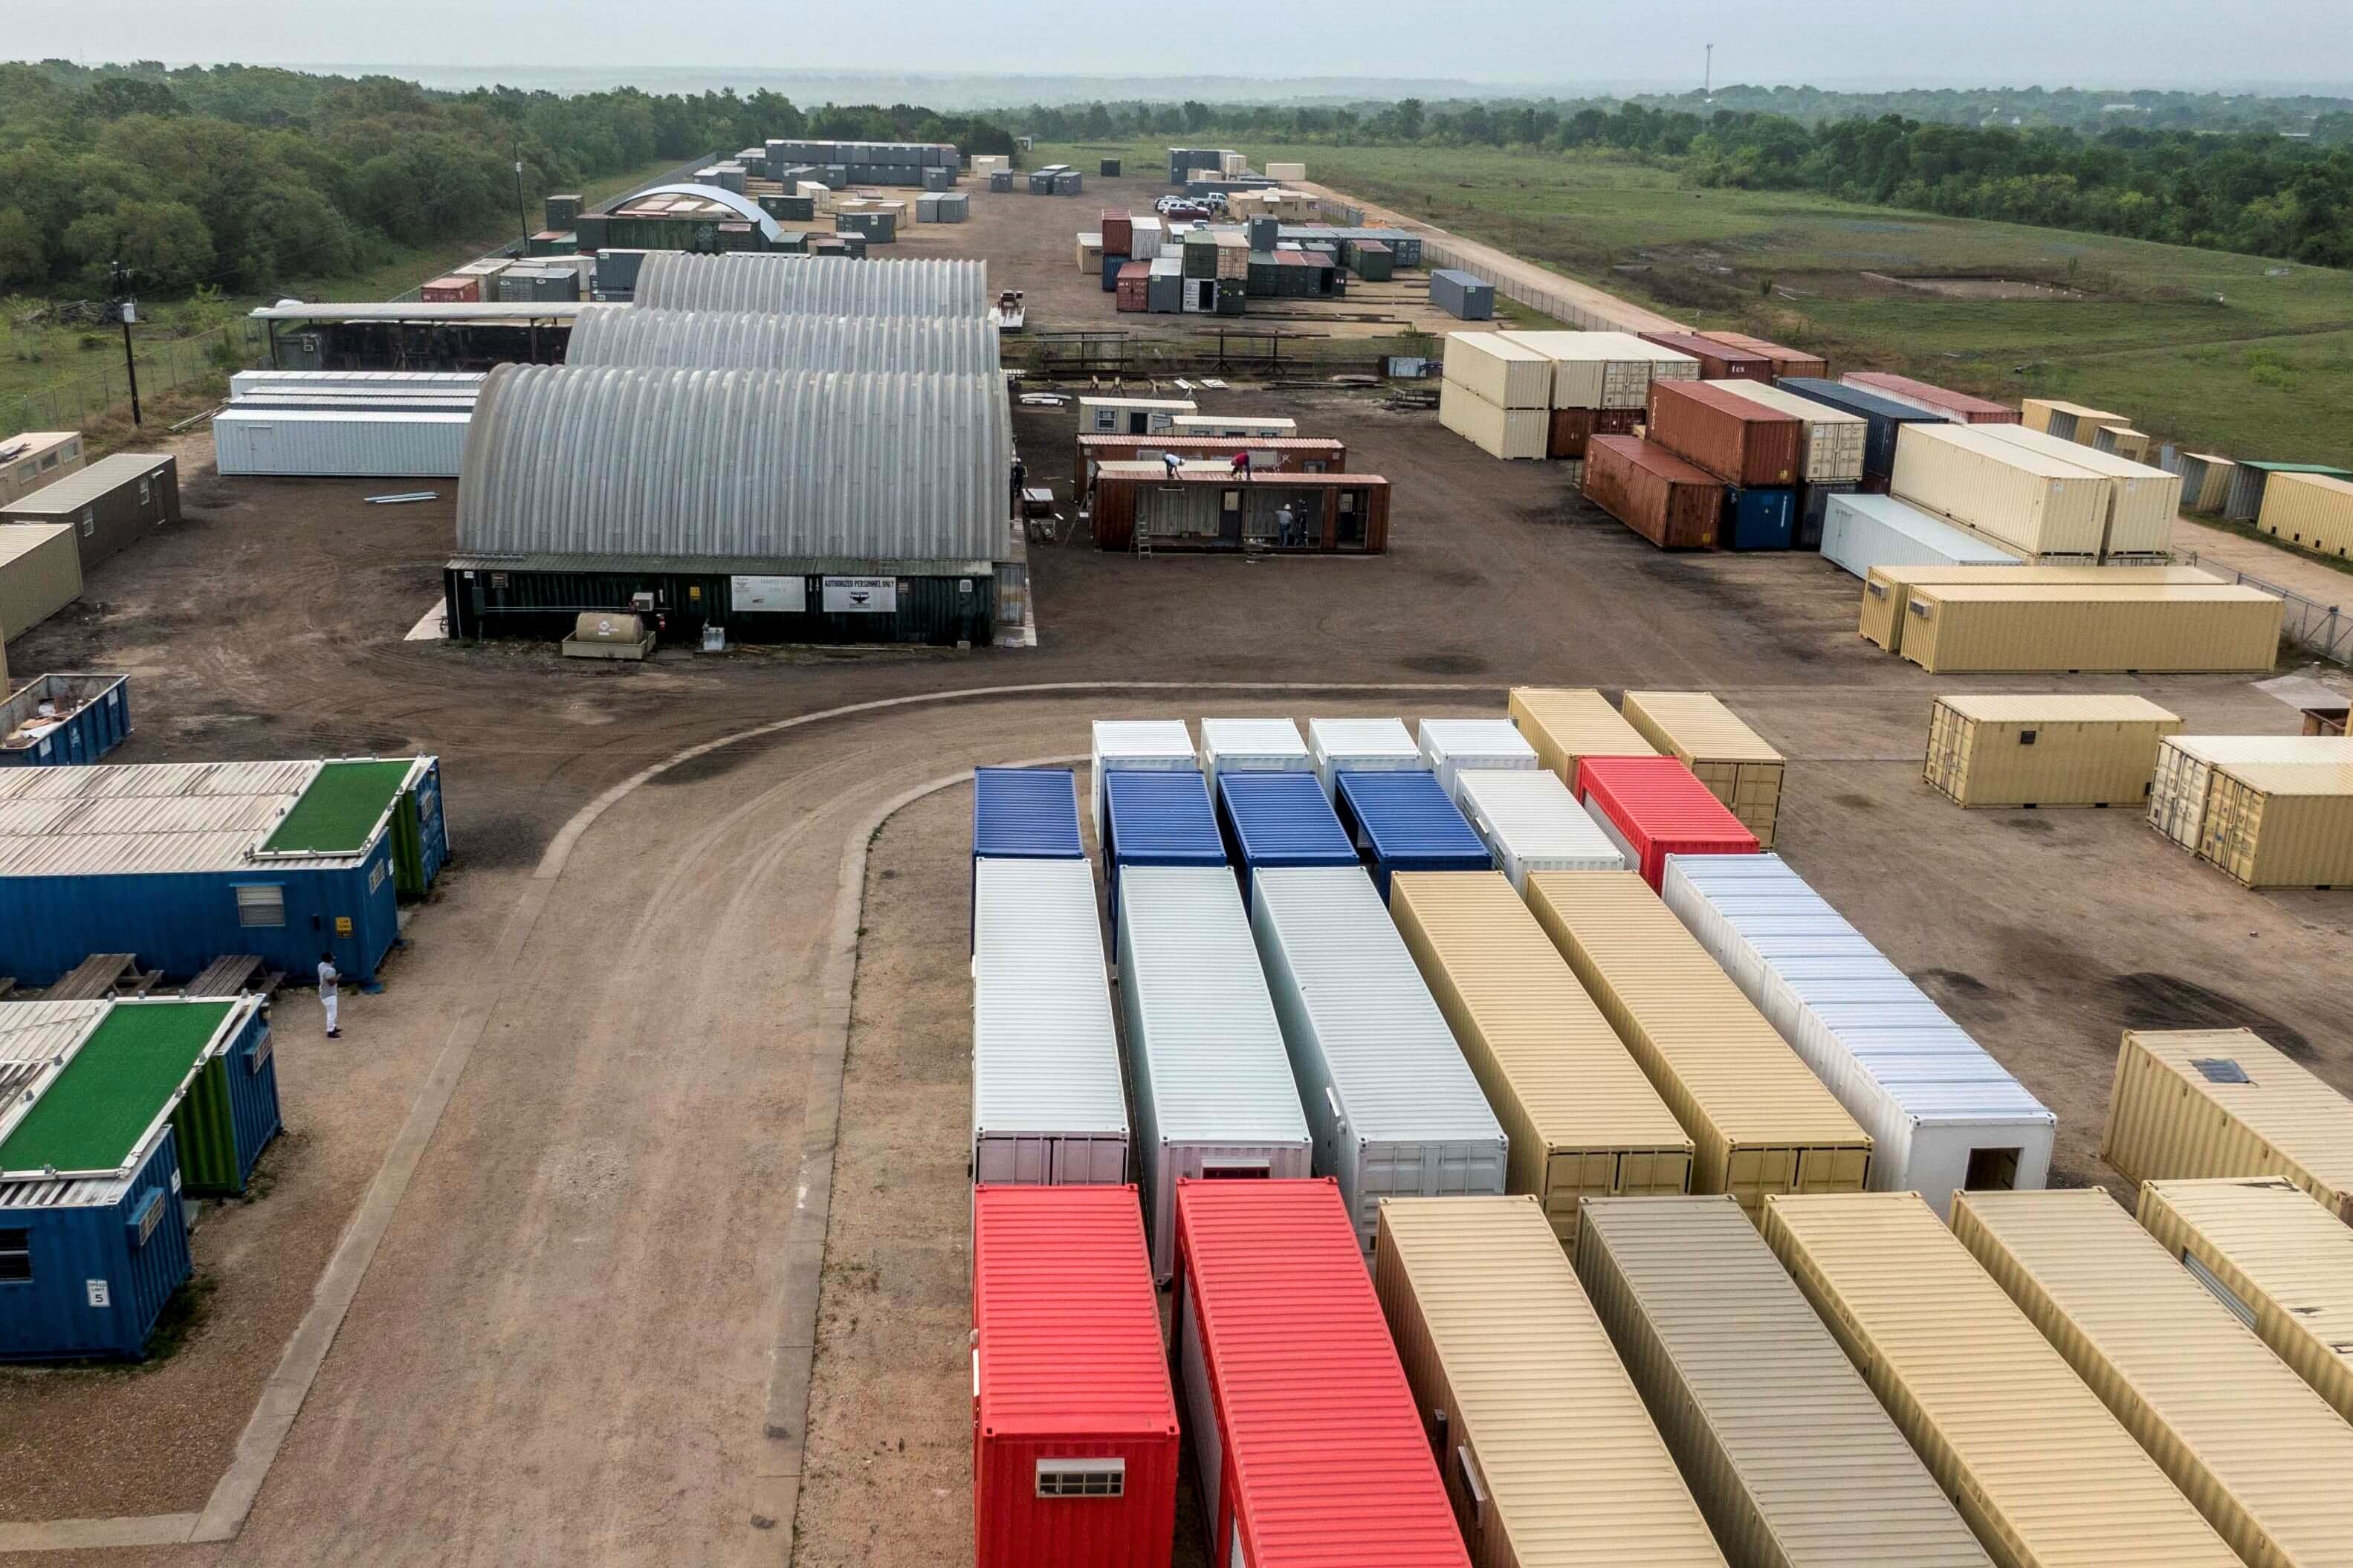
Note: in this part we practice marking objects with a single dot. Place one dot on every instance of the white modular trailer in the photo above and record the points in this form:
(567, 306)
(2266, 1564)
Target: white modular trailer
(1450, 745)
(1214, 1096)
(1393, 1107)
(333, 443)
(1943, 1115)
(1861, 531)
(1159, 744)
(248, 384)
(2184, 780)
(1529, 822)
(1047, 1104)
(1360, 745)
(1253, 745)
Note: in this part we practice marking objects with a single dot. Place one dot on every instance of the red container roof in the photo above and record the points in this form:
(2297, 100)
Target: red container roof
(1333, 1468)
(1657, 459)
(1698, 347)
(1928, 392)
(1664, 799)
(1135, 272)
(1065, 1313)
(1741, 408)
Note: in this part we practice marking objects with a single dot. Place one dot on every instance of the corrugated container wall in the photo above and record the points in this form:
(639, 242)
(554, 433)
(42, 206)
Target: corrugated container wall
(2180, 791)
(1786, 361)
(1668, 501)
(1529, 822)
(2313, 510)
(2221, 1102)
(2041, 507)
(1722, 751)
(40, 574)
(1884, 418)
(329, 442)
(1507, 433)
(1605, 370)
(1652, 807)
(1887, 590)
(2035, 628)
(1957, 406)
(2143, 501)
(1450, 745)
(1862, 531)
(1566, 723)
(1506, 374)
(1734, 439)
(1830, 441)
(2040, 751)
(2281, 825)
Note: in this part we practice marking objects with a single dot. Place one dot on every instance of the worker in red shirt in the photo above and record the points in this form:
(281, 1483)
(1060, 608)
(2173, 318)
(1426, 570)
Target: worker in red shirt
(1241, 469)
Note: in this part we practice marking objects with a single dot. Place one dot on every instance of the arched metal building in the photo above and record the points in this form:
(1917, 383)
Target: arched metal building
(786, 284)
(744, 340)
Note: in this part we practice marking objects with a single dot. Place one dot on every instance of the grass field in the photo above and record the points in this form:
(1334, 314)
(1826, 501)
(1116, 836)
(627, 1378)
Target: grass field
(2202, 348)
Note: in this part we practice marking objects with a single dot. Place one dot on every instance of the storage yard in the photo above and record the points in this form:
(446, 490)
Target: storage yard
(1411, 940)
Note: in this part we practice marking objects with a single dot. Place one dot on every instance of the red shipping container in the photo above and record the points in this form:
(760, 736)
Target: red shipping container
(1132, 285)
(1959, 404)
(1650, 489)
(1786, 361)
(1118, 233)
(1652, 807)
(1740, 442)
(1571, 429)
(1617, 421)
(1717, 360)
(452, 290)
(1074, 1432)
(1310, 1450)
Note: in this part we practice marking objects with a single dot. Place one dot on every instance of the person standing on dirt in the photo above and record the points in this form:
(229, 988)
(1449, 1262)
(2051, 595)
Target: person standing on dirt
(330, 978)
(1285, 519)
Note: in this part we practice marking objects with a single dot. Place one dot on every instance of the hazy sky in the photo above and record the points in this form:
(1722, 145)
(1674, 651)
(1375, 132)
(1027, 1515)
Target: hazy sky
(1648, 43)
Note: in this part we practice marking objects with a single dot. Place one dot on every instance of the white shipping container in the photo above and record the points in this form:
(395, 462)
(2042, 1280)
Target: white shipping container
(1511, 433)
(2144, 502)
(1392, 1105)
(2184, 780)
(1214, 1095)
(1605, 370)
(1530, 822)
(1506, 374)
(1832, 444)
(1159, 744)
(1360, 745)
(1450, 745)
(248, 384)
(2037, 504)
(1145, 238)
(1253, 745)
(1861, 531)
(335, 444)
(1047, 1105)
(1943, 1115)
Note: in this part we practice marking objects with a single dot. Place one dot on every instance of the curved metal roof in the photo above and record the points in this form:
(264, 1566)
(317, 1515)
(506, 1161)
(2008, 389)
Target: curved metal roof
(811, 285)
(565, 461)
(744, 340)
(741, 206)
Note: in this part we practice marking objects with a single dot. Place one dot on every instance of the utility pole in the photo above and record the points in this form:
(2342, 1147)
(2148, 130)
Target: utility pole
(523, 218)
(129, 312)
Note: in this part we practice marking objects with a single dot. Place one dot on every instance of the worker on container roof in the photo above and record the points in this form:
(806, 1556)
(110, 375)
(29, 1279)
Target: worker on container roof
(1242, 465)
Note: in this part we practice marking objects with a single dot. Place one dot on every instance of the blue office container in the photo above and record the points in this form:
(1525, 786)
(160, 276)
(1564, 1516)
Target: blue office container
(1403, 822)
(1153, 818)
(1813, 511)
(1110, 265)
(1272, 820)
(1759, 518)
(1883, 416)
(86, 1264)
(97, 709)
(1460, 295)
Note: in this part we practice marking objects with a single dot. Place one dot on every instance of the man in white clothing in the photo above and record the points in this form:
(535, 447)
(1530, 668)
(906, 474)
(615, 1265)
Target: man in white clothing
(328, 977)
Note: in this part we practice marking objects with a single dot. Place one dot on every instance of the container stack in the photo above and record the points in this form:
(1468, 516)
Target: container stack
(1755, 451)
(1600, 385)
(1883, 420)
(2143, 501)
(2067, 421)
(1497, 395)
(1831, 448)
(2048, 508)
(1718, 360)
(1957, 406)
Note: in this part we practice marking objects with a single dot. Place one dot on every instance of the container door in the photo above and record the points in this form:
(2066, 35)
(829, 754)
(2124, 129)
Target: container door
(1139, 423)
(1351, 505)
(1229, 517)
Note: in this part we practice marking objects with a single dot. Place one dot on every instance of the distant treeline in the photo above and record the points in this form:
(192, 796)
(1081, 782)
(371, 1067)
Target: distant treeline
(2034, 108)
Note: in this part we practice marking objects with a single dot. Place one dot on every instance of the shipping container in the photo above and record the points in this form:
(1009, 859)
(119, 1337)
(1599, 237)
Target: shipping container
(2045, 508)
(1529, 822)
(1047, 1105)
(1506, 374)
(2194, 1104)
(1395, 1111)
(1792, 1460)
(1304, 455)
(1214, 1096)
(1581, 1117)
(2250, 483)
(2040, 751)
(2044, 627)
(2235, 1429)
(1075, 1437)
(1157, 817)
(1277, 819)
(2281, 825)
(1760, 1122)
(1786, 361)
(1462, 295)
(1830, 441)
(1566, 723)
(1130, 415)
(1759, 518)
(1513, 433)
(1263, 745)
(1360, 745)
(33, 458)
(1450, 745)
(1884, 418)
(64, 721)
(1235, 427)
(1723, 752)
(1665, 500)
(2182, 788)
(93, 1259)
(1132, 285)
(1205, 507)
(1651, 808)
(1738, 441)
(1887, 590)
(1306, 1445)
(1402, 821)
(2313, 510)
(110, 504)
(330, 443)
(2039, 1470)
(1862, 531)
(1024, 814)
(1942, 1113)
(2205, 481)
(1814, 506)
(1118, 231)
(2068, 421)
(1957, 406)
(40, 574)
(1605, 370)
(2279, 1261)
(2143, 501)
(1147, 236)
(1718, 361)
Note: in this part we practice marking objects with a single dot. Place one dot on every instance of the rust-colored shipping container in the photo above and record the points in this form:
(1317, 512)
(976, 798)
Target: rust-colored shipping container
(1289, 454)
(1131, 287)
(1650, 489)
(1118, 232)
(1786, 361)
(1718, 361)
(451, 291)
(1571, 429)
(1962, 408)
(1330, 513)
(1738, 441)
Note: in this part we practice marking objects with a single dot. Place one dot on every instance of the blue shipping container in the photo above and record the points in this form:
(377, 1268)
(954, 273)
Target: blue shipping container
(1273, 820)
(86, 1266)
(1460, 295)
(1813, 511)
(1883, 416)
(97, 717)
(1110, 265)
(1153, 818)
(1403, 822)
(1759, 518)
(236, 1093)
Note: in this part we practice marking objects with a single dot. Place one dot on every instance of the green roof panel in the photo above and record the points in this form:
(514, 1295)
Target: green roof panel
(337, 815)
(92, 1115)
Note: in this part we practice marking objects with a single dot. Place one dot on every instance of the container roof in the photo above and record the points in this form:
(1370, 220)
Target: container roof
(817, 284)
(1664, 797)
(1406, 813)
(339, 813)
(744, 340)
(78, 489)
(2060, 708)
(1162, 817)
(1363, 738)
(20, 539)
(1163, 738)
(101, 1109)
(1466, 738)
(1031, 813)
(1856, 400)
(1700, 723)
(1045, 1056)
(1283, 819)
(1531, 813)
(1790, 403)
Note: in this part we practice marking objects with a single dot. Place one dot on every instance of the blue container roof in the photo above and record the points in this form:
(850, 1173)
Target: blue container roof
(1854, 400)
(1283, 819)
(1026, 814)
(1163, 818)
(1408, 817)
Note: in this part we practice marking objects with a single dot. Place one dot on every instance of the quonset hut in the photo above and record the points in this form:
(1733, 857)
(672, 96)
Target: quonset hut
(632, 335)
(787, 506)
(785, 284)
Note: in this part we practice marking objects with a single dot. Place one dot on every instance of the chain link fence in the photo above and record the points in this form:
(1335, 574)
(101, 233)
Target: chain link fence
(239, 345)
(2323, 630)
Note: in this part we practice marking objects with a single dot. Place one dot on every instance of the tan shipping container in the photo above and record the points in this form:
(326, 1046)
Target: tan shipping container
(2277, 1259)
(2314, 510)
(1830, 446)
(2043, 750)
(1605, 370)
(2244, 1438)
(1581, 1118)
(1544, 1445)
(2081, 425)
(2143, 501)
(40, 574)
(1887, 591)
(2042, 1471)
(2050, 628)
(2191, 1103)
(1793, 1462)
(2042, 507)
(1564, 724)
(1760, 1119)
(2184, 781)
(2215, 484)
(2281, 825)
(1733, 760)
(1510, 433)
(31, 459)
(1506, 374)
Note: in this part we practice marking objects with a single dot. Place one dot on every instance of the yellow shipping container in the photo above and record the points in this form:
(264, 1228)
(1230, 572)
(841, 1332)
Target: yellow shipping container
(1581, 1118)
(2184, 783)
(1792, 1459)
(2314, 510)
(2039, 505)
(2240, 1433)
(2281, 825)
(1733, 760)
(2040, 750)
(2280, 1261)
(2069, 421)
(2075, 629)
(1506, 374)
(1544, 1444)
(2220, 1102)
(1887, 592)
(32, 459)
(1510, 433)
(2215, 485)
(1760, 1122)
(40, 574)
(2143, 501)
(1564, 724)
(2040, 1468)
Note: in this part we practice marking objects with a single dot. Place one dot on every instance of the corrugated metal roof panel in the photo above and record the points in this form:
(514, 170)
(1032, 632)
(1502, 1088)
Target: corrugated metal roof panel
(1026, 812)
(151, 816)
(2058, 707)
(1045, 1058)
(80, 488)
(630, 335)
(811, 285)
